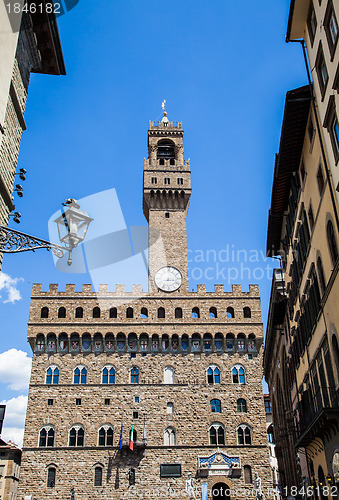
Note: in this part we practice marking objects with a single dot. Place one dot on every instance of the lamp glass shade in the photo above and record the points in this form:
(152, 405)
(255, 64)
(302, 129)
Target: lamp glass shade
(72, 226)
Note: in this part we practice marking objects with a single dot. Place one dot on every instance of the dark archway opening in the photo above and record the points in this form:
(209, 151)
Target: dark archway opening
(221, 491)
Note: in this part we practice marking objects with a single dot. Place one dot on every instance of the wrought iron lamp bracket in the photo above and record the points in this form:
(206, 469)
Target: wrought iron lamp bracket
(12, 241)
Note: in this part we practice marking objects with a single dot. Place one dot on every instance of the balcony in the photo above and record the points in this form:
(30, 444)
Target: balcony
(319, 415)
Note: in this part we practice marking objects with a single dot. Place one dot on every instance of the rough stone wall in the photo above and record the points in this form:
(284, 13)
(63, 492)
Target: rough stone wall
(190, 394)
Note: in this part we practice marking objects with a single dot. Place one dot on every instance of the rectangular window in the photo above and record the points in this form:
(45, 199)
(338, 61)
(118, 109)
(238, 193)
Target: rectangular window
(135, 414)
(170, 470)
(320, 180)
(107, 401)
(312, 23)
(331, 28)
(268, 407)
(302, 171)
(136, 399)
(50, 402)
(154, 180)
(98, 476)
(167, 180)
(331, 123)
(311, 217)
(180, 181)
(311, 131)
(321, 69)
(51, 477)
(78, 401)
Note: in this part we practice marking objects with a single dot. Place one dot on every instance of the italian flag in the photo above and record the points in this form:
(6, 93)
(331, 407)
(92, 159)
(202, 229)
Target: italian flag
(131, 440)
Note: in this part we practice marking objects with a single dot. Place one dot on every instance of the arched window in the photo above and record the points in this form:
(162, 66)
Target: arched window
(213, 375)
(96, 312)
(251, 343)
(108, 375)
(207, 342)
(44, 312)
(238, 374)
(79, 312)
(270, 436)
(143, 342)
(195, 312)
(40, 343)
(129, 312)
(144, 312)
(335, 348)
(135, 375)
(321, 274)
(98, 476)
(52, 375)
(113, 313)
(165, 149)
(51, 477)
(161, 312)
(213, 312)
(217, 434)
(244, 434)
(241, 405)
(170, 437)
(76, 436)
(216, 406)
(106, 435)
(178, 312)
(61, 312)
(241, 343)
(46, 437)
(247, 312)
(332, 244)
(247, 474)
(321, 477)
(230, 312)
(230, 342)
(169, 375)
(80, 375)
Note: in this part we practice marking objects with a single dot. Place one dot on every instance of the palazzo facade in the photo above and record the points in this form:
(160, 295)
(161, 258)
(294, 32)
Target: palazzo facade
(179, 372)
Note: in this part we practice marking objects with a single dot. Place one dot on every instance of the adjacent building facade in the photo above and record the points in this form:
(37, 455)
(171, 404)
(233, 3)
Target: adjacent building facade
(271, 447)
(132, 391)
(33, 48)
(10, 460)
(301, 359)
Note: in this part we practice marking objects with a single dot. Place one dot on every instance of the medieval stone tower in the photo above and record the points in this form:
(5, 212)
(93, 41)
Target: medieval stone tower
(180, 372)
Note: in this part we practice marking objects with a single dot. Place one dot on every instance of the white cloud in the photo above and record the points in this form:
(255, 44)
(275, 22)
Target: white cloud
(14, 423)
(8, 285)
(14, 434)
(15, 369)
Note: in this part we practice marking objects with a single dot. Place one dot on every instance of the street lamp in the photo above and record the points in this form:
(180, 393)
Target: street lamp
(72, 228)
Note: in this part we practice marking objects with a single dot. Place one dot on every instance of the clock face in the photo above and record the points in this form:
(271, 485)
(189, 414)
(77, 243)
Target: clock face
(168, 279)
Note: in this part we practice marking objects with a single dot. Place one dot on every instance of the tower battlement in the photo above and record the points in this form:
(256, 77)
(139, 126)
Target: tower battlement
(137, 291)
(164, 125)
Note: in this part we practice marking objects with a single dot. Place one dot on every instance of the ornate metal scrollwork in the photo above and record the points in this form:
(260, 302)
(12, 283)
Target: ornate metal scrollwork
(12, 241)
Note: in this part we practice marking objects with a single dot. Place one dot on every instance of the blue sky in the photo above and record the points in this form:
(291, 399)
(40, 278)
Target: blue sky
(224, 69)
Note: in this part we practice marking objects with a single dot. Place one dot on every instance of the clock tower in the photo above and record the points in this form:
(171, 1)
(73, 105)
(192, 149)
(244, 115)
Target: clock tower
(167, 191)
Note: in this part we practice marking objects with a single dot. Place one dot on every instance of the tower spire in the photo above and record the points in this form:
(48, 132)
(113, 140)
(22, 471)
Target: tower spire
(164, 118)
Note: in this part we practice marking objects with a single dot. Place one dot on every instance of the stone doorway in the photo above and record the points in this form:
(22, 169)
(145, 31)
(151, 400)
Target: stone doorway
(220, 491)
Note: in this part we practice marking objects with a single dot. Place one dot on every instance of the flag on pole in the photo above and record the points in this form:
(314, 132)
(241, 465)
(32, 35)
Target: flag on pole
(131, 440)
(120, 442)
